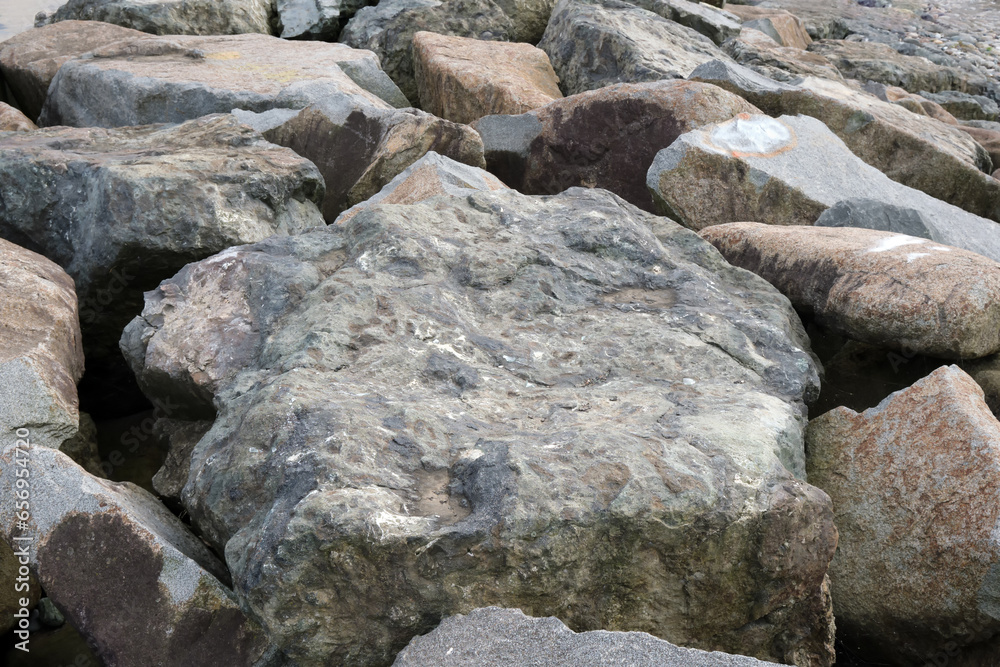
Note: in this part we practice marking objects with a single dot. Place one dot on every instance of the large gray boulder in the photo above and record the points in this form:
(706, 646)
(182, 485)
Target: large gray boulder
(495, 637)
(178, 78)
(789, 171)
(716, 24)
(916, 488)
(314, 19)
(126, 572)
(388, 29)
(913, 149)
(122, 209)
(174, 17)
(595, 43)
(495, 398)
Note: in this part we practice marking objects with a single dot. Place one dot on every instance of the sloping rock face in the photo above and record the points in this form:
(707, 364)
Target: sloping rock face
(41, 358)
(29, 61)
(604, 138)
(498, 399)
(761, 53)
(787, 28)
(871, 61)
(12, 120)
(716, 24)
(122, 209)
(465, 79)
(915, 150)
(129, 575)
(388, 29)
(789, 171)
(595, 43)
(964, 105)
(178, 78)
(495, 637)
(878, 287)
(314, 19)
(915, 488)
(174, 17)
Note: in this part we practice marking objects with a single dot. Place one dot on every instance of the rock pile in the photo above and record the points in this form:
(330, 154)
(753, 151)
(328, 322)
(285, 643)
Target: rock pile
(489, 331)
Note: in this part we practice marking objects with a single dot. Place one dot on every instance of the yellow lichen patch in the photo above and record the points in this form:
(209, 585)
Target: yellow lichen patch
(224, 55)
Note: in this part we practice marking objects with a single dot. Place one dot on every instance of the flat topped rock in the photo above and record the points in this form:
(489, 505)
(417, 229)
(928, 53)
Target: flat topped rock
(882, 288)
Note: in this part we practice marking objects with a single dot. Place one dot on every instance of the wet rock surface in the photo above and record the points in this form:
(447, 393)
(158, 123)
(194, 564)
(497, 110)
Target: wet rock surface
(451, 434)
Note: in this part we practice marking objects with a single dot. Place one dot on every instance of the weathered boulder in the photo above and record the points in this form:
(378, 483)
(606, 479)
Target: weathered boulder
(20, 585)
(604, 138)
(496, 637)
(170, 479)
(122, 209)
(125, 571)
(964, 105)
(918, 104)
(178, 78)
(789, 171)
(915, 490)
(463, 79)
(988, 139)
(915, 150)
(595, 43)
(314, 19)
(41, 358)
(12, 120)
(529, 18)
(716, 24)
(878, 287)
(174, 17)
(29, 61)
(429, 176)
(388, 29)
(872, 61)
(761, 53)
(498, 399)
(784, 27)
(360, 148)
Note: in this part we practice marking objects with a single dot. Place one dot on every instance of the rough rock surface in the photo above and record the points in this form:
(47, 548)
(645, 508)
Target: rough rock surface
(716, 24)
(128, 574)
(429, 176)
(787, 28)
(789, 171)
(964, 105)
(41, 357)
(388, 29)
(360, 148)
(29, 61)
(761, 53)
(463, 79)
(170, 479)
(883, 288)
(871, 61)
(12, 120)
(915, 150)
(529, 18)
(178, 78)
(914, 483)
(595, 43)
(174, 17)
(604, 138)
(988, 139)
(495, 637)
(498, 399)
(314, 19)
(918, 104)
(122, 209)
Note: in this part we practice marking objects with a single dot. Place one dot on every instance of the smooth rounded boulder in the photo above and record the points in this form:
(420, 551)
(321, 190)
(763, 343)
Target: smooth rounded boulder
(878, 287)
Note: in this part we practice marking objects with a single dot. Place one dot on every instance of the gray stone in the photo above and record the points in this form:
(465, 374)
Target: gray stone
(965, 106)
(314, 19)
(496, 398)
(49, 615)
(594, 43)
(388, 29)
(789, 171)
(716, 24)
(495, 637)
(170, 80)
(174, 17)
(764, 55)
(124, 208)
(529, 18)
(912, 149)
(126, 572)
(170, 479)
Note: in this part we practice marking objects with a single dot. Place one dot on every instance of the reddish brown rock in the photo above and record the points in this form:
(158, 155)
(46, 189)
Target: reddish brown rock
(915, 484)
(12, 120)
(464, 79)
(789, 28)
(888, 289)
(918, 104)
(604, 138)
(29, 61)
(988, 139)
